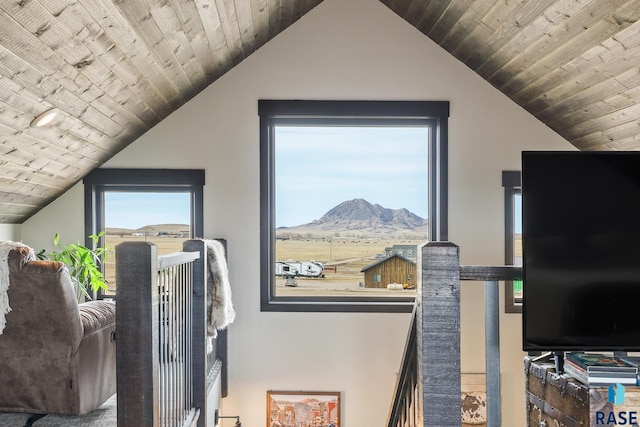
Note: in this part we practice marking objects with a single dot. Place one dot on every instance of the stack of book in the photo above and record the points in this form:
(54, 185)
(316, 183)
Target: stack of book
(594, 369)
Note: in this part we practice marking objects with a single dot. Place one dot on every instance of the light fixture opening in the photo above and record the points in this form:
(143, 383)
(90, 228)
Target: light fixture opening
(45, 118)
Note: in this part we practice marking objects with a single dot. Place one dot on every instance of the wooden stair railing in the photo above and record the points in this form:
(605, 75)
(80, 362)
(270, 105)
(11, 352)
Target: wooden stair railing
(161, 348)
(429, 381)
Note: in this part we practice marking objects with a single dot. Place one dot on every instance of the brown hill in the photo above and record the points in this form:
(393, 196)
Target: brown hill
(358, 217)
(151, 229)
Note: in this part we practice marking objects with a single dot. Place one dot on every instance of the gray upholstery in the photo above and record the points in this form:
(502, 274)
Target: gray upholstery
(56, 357)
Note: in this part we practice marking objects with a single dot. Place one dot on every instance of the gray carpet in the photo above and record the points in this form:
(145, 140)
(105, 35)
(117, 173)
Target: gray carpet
(104, 416)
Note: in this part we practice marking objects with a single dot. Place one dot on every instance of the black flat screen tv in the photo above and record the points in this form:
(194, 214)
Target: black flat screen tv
(581, 251)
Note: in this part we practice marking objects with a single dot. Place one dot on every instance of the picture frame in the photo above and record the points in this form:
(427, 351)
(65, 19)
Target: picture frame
(303, 409)
(474, 400)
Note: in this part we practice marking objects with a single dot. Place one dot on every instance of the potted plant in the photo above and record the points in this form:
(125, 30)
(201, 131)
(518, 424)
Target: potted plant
(83, 264)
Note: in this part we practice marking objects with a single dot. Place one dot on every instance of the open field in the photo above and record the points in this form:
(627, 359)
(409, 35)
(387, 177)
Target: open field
(166, 245)
(343, 258)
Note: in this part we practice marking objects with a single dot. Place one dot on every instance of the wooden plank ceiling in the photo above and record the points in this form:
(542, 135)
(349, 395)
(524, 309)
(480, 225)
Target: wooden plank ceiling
(115, 68)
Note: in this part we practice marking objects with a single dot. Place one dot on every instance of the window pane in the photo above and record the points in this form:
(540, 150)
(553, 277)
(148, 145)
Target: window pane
(517, 242)
(350, 209)
(162, 218)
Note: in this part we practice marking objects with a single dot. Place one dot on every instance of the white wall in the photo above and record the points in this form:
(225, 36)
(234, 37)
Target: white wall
(64, 216)
(343, 49)
(10, 232)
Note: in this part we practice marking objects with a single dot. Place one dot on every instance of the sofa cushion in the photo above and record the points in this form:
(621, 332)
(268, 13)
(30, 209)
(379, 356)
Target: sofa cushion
(96, 315)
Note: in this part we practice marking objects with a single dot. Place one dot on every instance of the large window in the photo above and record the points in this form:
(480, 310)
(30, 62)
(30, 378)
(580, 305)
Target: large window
(349, 190)
(513, 237)
(160, 206)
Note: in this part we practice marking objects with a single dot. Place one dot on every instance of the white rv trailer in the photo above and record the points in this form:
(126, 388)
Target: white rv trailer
(283, 269)
(299, 268)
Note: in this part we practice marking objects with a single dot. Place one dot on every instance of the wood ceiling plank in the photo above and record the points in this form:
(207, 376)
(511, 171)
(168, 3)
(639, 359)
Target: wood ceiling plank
(68, 128)
(310, 4)
(452, 16)
(195, 25)
(16, 208)
(114, 24)
(21, 97)
(25, 187)
(567, 45)
(242, 12)
(298, 9)
(471, 19)
(605, 111)
(512, 21)
(16, 149)
(144, 98)
(624, 136)
(501, 12)
(49, 139)
(231, 30)
(275, 22)
(617, 120)
(591, 68)
(628, 144)
(37, 20)
(416, 11)
(286, 13)
(531, 43)
(60, 86)
(139, 16)
(397, 6)
(208, 12)
(578, 102)
(177, 38)
(25, 173)
(48, 29)
(432, 14)
(260, 16)
(18, 197)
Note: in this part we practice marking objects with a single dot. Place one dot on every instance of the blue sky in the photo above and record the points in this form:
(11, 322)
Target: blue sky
(135, 210)
(316, 169)
(319, 167)
(518, 213)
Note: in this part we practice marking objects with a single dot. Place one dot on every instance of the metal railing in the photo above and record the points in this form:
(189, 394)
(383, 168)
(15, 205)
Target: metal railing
(405, 407)
(161, 339)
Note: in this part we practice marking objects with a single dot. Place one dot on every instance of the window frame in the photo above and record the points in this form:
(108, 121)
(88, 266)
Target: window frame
(102, 180)
(303, 112)
(512, 183)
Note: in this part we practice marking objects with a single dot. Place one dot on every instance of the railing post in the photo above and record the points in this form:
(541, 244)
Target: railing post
(199, 332)
(439, 334)
(137, 332)
(492, 351)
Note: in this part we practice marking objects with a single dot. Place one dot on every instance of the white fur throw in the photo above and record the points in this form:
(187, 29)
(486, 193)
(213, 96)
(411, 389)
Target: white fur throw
(219, 307)
(5, 248)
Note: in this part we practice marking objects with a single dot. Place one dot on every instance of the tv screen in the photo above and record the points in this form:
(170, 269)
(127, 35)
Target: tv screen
(581, 251)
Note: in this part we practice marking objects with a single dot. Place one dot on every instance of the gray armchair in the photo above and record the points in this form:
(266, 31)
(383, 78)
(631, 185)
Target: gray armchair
(56, 356)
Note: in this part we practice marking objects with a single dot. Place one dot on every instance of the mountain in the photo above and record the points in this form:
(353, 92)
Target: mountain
(151, 230)
(362, 218)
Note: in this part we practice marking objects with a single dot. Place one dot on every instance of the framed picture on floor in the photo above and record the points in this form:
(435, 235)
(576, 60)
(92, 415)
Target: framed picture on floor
(303, 408)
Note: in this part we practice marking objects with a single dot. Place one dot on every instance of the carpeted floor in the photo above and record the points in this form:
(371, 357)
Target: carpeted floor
(104, 416)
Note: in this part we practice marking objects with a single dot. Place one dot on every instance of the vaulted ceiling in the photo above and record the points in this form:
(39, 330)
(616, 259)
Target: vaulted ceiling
(112, 69)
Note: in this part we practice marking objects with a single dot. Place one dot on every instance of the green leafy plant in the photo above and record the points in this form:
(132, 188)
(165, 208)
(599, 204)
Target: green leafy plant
(83, 264)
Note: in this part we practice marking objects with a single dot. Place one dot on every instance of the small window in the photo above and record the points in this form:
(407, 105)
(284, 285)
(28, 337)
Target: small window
(513, 237)
(160, 206)
(377, 278)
